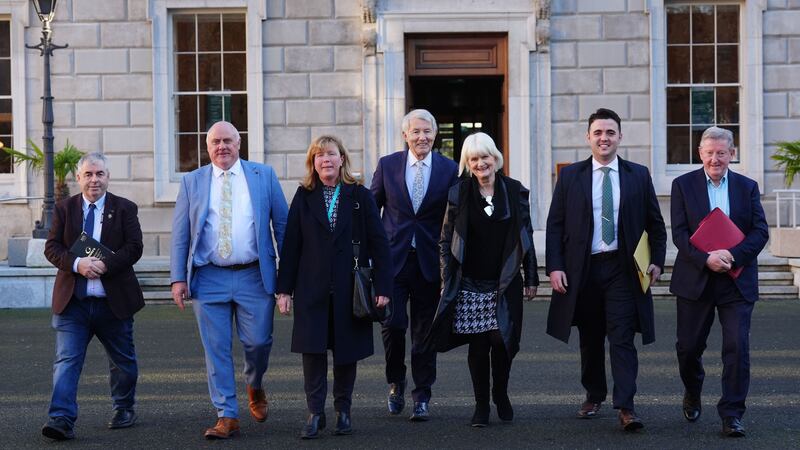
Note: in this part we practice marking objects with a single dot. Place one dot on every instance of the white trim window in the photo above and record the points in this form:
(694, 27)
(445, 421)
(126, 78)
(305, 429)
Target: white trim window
(6, 100)
(14, 16)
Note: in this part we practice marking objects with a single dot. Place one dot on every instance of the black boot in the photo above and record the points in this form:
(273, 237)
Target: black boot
(478, 358)
(501, 368)
(314, 424)
(343, 425)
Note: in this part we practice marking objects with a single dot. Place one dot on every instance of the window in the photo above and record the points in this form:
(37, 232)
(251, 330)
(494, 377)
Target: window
(6, 116)
(210, 82)
(702, 75)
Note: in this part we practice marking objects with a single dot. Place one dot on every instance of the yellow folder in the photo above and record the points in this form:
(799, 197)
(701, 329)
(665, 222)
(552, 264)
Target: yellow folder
(642, 258)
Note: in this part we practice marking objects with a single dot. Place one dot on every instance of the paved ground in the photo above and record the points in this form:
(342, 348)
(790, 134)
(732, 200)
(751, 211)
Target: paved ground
(174, 409)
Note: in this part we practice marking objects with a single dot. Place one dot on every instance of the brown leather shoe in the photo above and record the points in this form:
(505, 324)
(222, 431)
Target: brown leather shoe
(259, 407)
(629, 421)
(225, 428)
(588, 410)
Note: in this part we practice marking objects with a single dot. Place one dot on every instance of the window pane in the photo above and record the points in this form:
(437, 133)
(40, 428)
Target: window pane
(702, 24)
(208, 32)
(697, 132)
(678, 24)
(678, 145)
(728, 23)
(6, 124)
(187, 152)
(727, 63)
(244, 151)
(236, 113)
(215, 108)
(703, 106)
(5, 39)
(6, 163)
(204, 159)
(728, 105)
(703, 64)
(678, 106)
(678, 64)
(187, 113)
(209, 72)
(233, 32)
(184, 33)
(235, 71)
(186, 73)
(5, 77)
(735, 130)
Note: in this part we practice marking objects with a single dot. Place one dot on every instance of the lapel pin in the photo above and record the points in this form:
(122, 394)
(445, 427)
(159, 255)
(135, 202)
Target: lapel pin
(109, 215)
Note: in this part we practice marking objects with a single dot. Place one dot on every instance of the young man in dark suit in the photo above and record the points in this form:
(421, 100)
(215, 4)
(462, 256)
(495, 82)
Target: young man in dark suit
(600, 208)
(92, 296)
(701, 280)
(411, 186)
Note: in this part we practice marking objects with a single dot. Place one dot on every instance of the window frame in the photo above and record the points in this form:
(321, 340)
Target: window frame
(166, 177)
(751, 108)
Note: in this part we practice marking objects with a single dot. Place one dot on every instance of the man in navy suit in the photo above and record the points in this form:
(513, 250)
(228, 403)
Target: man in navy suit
(411, 186)
(702, 284)
(600, 208)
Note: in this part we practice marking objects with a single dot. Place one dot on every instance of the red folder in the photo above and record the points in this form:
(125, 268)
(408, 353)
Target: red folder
(715, 232)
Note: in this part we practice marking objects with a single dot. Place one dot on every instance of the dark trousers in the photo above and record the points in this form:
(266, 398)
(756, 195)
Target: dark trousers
(410, 286)
(315, 383)
(487, 350)
(695, 318)
(607, 308)
(75, 326)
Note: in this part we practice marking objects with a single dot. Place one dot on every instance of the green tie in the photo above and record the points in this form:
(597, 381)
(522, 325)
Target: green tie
(607, 215)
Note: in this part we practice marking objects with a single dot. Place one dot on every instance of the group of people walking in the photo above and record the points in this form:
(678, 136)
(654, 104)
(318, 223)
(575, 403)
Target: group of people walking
(452, 254)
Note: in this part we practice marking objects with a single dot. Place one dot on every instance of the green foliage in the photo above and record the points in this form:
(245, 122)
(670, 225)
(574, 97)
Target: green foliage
(35, 160)
(787, 156)
(65, 161)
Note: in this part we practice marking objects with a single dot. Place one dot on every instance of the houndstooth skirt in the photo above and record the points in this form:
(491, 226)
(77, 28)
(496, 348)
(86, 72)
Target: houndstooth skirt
(476, 307)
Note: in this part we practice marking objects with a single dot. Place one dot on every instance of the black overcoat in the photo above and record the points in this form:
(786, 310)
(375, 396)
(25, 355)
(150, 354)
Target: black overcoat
(518, 252)
(315, 262)
(570, 225)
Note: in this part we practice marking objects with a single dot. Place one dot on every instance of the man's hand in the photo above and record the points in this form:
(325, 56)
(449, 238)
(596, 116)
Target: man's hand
(284, 304)
(725, 255)
(381, 301)
(717, 262)
(655, 273)
(91, 267)
(180, 292)
(529, 292)
(558, 280)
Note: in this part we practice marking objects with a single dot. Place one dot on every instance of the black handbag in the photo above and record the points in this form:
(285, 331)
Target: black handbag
(364, 307)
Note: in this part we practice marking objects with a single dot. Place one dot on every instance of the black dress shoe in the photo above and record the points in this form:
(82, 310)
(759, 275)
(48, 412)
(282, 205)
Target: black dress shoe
(480, 418)
(58, 428)
(420, 412)
(314, 424)
(343, 425)
(732, 427)
(395, 401)
(504, 409)
(122, 418)
(691, 407)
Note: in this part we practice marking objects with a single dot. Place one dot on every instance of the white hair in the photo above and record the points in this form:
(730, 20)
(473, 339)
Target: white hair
(422, 114)
(478, 144)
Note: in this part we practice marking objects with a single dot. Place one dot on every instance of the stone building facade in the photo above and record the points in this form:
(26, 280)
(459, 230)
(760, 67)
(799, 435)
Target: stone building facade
(135, 83)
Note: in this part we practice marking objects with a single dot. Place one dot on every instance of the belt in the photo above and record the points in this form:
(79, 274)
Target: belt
(238, 266)
(602, 256)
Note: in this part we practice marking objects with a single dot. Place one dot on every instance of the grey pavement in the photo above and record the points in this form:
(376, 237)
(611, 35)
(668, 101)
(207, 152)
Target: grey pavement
(174, 409)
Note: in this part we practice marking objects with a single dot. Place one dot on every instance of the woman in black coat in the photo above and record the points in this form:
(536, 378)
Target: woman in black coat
(486, 238)
(315, 278)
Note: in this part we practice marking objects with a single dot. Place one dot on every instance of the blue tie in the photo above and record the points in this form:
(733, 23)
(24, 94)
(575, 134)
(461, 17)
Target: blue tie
(81, 284)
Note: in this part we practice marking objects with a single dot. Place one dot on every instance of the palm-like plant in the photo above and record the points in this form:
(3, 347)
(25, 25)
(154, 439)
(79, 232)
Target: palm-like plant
(65, 162)
(787, 156)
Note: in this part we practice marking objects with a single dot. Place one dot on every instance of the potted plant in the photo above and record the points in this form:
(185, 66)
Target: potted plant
(65, 162)
(786, 241)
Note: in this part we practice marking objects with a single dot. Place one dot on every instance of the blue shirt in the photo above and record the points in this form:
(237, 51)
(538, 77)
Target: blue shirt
(718, 195)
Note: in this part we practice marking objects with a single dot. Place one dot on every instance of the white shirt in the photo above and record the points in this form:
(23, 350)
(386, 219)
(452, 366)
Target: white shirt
(598, 245)
(411, 172)
(94, 288)
(243, 225)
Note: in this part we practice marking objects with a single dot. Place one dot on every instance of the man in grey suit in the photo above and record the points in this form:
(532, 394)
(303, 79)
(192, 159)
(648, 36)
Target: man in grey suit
(223, 256)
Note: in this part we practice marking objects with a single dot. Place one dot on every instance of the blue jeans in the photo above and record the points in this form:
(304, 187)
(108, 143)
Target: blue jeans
(75, 327)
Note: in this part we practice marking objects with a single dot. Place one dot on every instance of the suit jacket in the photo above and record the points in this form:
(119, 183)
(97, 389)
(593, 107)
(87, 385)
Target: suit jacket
(120, 232)
(191, 211)
(391, 193)
(316, 263)
(690, 205)
(569, 239)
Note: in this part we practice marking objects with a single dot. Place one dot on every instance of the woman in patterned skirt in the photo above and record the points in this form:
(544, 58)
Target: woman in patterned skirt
(486, 239)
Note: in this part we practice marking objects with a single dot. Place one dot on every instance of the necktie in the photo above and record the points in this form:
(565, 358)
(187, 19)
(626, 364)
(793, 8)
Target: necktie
(607, 215)
(82, 284)
(417, 194)
(225, 246)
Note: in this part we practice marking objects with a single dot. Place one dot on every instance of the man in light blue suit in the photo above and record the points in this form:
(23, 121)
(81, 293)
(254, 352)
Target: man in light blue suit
(223, 257)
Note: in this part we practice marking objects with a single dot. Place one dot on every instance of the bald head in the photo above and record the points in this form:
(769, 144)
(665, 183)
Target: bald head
(223, 143)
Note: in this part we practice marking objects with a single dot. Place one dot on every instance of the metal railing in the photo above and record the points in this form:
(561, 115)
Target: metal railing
(792, 196)
(16, 199)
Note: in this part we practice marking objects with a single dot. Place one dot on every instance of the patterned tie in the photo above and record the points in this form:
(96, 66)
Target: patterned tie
(416, 195)
(82, 284)
(607, 215)
(225, 246)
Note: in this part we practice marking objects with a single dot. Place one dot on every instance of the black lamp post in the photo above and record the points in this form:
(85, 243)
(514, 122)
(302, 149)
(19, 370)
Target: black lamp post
(46, 9)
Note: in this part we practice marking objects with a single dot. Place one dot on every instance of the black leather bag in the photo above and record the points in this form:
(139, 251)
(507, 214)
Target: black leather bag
(364, 307)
